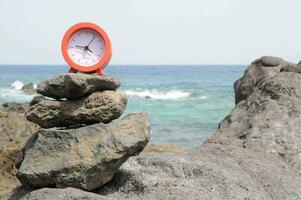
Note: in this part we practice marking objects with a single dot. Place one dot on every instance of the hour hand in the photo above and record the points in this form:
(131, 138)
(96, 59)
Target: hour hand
(90, 50)
(80, 47)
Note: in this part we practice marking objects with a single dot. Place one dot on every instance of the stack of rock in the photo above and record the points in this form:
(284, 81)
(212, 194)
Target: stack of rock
(78, 144)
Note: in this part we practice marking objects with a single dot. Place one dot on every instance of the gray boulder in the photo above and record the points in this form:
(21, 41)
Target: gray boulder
(37, 99)
(29, 89)
(292, 68)
(271, 61)
(98, 107)
(264, 68)
(15, 107)
(73, 86)
(55, 194)
(84, 158)
(268, 120)
(255, 154)
(214, 171)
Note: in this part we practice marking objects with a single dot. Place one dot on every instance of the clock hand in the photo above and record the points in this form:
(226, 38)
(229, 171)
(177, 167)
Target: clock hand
(91, 41)
(80, 47)
(86, 48)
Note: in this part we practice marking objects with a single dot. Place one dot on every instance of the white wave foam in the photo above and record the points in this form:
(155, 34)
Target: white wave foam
(17, 85)
(14, 95)
(202, 97)
(159, 95)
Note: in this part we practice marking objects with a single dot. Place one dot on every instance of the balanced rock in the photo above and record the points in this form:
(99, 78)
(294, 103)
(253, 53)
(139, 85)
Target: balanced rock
(55, 194)
(270, 61)
(103, 106)
(73, 86)
(84, 158)
(264, 68)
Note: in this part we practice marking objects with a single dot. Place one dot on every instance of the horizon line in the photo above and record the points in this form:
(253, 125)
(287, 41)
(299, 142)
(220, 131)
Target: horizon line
(130, 65)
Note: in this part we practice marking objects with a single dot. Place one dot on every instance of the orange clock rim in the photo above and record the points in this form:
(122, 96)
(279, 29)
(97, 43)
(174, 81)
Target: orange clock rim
(104, 60)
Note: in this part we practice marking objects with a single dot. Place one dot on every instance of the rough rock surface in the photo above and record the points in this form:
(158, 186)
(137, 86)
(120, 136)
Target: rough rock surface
(98, 107)
(165, 148)
(3, 113)
(255, 154)
(214, 171)
(292, 68)
(56, 194)
(264, 68)
(84, 158)
(37, 99)
(268, 120)
(14, 131)
(15, 107)
(73, 86)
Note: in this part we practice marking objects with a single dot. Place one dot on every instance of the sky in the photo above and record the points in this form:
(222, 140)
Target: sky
(155, 31)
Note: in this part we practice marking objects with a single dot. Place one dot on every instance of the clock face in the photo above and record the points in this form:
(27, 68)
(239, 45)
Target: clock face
(86, 47)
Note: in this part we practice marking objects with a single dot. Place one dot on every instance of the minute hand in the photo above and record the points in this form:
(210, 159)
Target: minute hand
(91, 41)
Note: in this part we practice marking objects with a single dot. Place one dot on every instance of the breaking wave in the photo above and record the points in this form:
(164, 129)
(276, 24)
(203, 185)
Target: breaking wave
(164, 95)
(13, 93)
(17, 85)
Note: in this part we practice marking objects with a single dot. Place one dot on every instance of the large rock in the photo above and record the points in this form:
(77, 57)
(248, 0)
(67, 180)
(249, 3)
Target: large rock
(98, 107)
(85, 158)
(15, 107)
(255, 154)
(14, 131)
(37, 99)
(55, 194)
(292, 68)
(268, 120)
(76, 85)
(29, 89)
(165, 148)
(264, 68)
(214, 171)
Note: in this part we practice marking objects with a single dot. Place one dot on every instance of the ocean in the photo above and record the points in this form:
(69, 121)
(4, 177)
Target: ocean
(185, 103)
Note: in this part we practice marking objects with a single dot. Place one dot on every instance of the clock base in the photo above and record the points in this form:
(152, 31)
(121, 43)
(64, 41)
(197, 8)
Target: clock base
(98, 71)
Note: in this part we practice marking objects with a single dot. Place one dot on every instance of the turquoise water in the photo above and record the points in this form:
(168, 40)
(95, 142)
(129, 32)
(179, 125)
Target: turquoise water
(185, 103)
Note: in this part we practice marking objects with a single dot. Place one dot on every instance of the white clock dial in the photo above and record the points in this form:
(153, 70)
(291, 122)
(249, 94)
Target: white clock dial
(86, 47)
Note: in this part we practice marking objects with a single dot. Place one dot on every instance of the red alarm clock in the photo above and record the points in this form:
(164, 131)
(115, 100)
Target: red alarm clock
(86, 48)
